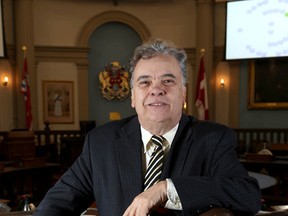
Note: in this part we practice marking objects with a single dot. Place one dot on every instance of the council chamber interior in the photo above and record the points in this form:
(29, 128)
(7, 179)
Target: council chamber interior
(66, 46)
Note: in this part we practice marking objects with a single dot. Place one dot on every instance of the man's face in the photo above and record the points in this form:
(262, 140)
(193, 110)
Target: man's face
(158, 93)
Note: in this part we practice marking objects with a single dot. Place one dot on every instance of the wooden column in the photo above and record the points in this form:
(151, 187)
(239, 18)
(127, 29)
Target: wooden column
(205, 40)
(24, 36)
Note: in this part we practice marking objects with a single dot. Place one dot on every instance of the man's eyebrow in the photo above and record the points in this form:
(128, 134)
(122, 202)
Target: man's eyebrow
(169, 75)
(142, 77)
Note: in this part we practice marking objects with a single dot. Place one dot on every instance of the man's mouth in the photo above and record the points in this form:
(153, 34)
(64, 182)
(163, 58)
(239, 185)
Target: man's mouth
(157, 104)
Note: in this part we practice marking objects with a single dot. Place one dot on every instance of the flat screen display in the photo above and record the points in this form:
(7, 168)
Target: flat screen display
(256, 29)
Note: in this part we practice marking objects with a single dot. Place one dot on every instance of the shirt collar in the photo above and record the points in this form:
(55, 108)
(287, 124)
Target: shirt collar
(146, 136)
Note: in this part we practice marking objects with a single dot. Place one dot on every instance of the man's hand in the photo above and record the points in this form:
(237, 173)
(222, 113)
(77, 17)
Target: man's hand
(146, 201)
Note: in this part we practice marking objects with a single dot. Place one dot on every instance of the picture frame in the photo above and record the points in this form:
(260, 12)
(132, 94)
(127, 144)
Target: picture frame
(58, 103)
(268, 84)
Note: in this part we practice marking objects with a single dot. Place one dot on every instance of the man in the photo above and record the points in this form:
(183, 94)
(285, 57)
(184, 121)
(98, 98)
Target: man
(199, 170)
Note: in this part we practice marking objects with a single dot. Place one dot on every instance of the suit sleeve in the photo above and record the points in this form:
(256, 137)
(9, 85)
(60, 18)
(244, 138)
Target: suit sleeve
(72, 194)
(223, 181)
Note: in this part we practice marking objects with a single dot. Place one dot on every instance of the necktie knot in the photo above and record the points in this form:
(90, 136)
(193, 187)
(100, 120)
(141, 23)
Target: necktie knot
(158, 141)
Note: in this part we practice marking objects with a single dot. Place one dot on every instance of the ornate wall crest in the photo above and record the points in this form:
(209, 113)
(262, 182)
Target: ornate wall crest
(114, 82)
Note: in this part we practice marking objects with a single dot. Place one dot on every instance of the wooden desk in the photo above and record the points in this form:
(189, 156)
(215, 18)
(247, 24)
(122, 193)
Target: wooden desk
(17, 145)
(213, 212)
(278, 194)
(254, 165)
(16, 181)
(16, 213)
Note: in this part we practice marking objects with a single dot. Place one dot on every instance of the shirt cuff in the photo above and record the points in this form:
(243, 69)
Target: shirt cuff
(173, 201)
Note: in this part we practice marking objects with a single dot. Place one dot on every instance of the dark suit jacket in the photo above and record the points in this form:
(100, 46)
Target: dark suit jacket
(202, 164)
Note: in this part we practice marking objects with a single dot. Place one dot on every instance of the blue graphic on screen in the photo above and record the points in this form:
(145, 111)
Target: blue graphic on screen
(257, 29)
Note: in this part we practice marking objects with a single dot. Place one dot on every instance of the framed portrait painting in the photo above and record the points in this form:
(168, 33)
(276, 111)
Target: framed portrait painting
(268, 84)
(58, 101)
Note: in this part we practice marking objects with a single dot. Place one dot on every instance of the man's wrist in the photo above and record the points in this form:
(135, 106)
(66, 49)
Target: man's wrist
(173, 201)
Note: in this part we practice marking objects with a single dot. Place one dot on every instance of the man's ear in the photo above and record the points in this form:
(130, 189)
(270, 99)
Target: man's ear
(132, 100)
(184, 94)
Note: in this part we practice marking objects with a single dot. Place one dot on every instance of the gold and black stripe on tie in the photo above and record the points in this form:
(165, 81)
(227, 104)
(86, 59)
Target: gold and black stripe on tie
(155, 164)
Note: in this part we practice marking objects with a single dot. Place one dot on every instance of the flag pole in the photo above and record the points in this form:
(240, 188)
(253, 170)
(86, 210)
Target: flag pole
(201, 98)
(202, 52)
(25, 89)
(24, 49)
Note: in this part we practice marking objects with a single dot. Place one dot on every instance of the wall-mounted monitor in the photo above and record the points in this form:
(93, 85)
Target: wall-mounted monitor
(256, 29)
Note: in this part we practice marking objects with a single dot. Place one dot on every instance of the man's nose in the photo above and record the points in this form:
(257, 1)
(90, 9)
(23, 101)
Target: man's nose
(157, 90)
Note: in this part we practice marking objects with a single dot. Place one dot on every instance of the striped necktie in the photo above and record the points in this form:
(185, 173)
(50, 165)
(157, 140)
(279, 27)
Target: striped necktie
(155, 164)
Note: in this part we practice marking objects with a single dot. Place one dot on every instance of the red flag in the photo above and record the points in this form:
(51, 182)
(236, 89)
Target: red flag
(25, 89)
(201, 98)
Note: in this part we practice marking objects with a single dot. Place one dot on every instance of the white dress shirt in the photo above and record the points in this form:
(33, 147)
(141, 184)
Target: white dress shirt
(173, 198)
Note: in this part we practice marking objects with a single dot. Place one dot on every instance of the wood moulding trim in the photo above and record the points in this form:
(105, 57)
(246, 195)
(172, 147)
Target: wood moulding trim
(78, 55)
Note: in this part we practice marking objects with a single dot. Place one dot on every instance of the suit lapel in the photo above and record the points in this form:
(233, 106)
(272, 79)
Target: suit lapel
(129, 151)
(129, 156)
(180, 147)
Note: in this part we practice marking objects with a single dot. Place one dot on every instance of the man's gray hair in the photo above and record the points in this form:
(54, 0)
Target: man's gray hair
(155, 47)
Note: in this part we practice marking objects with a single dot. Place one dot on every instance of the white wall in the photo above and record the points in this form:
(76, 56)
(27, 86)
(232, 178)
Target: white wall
(6, 101)
(6, 113)
(59, 23)
(47, 71)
